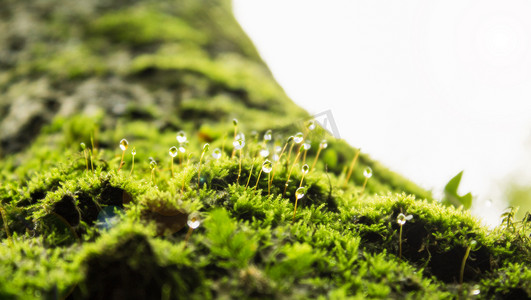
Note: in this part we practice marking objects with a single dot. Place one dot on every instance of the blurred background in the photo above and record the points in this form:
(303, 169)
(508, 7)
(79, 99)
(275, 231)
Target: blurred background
(427, 88)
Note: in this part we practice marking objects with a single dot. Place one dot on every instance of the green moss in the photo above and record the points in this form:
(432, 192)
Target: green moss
(143, 26)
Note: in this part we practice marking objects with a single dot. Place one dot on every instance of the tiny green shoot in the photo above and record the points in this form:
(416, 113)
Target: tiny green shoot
(401, 219)
(133, 153)
(173, 152)
(205, 150)
(367, 173)
(84, 148)
(472, 245)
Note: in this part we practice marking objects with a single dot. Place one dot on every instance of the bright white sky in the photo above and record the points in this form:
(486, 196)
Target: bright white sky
(427, 88)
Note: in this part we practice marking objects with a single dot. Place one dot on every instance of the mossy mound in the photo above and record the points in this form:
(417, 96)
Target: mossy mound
(79, 223)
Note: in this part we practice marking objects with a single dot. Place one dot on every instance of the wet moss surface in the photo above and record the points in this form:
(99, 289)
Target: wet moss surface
(76, 225)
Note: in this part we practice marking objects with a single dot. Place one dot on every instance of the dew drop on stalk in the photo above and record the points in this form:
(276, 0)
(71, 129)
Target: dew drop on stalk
(401, 219)
(216, 153)
(133, 151)
(238, 144)
(367, 172)
(181, 137)
(83, 146)
(124, 144)
(267, 166)
(299, 193)
(153, 164)
(240, 136)
(306, 146)
(173, 151)
(182, 147)
(264, 153)
(278, 149)
(268, 135)
(206, 147)
(193, 220)
(323, 144)
(311, 125)
(275, 157)
(305, 169)
(235, 122)
(297, 138)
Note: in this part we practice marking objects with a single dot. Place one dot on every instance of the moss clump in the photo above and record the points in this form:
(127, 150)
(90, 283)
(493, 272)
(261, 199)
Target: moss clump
(84, 226)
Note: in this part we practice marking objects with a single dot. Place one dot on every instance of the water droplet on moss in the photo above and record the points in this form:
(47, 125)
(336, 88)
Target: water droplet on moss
(267, 166)
(83, 146)
(173, 151)
(306, 146)
(193, 220)
(153, 164)
(367, 172)
(133, 151)
(299, 193)
(240, 136)
(264, 153)
(323, 144)
(124, 144)
(181, 137)
(216, 153)
(297, 138)
(235, 122)
(268, 135)
(206, 147)
(311, 125)
(238, 144)
(305, 169)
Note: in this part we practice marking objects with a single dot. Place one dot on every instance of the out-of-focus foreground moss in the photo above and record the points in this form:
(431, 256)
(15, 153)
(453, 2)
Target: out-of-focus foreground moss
(95, 72)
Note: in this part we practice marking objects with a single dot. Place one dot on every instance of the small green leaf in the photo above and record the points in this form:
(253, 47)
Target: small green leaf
(451, 197)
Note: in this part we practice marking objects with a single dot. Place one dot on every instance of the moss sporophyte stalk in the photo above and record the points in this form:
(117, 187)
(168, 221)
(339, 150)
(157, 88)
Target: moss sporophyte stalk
(123, 145)
(401, 219)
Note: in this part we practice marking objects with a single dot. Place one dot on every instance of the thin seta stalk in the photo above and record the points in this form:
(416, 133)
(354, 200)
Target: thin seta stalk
(367, 173)
(133, 153)
(322, 145)
(279, 158)
(351, 168)
(463, 262)
(298, 138)
(123, 145)
(205, 150)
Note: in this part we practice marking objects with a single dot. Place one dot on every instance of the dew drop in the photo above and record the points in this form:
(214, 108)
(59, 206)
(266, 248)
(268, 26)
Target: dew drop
(275, 157)
(240, 136)
(475, 290)
(206, 147)
(173, 151)
(238, 144)
(305, 169)
(216, 153)
(235, 122)
(83, 146)
(278, 149)
(124, 144)
(181, 137)
(297, 138)
(193, 220)
(153, 164)
(133, 151)
(299, 193)
(311, 125)
(401, 219)
(306, 146)
(268, 135)
(264, 152)
(323, 144)
(267, 166)
(367, 172)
